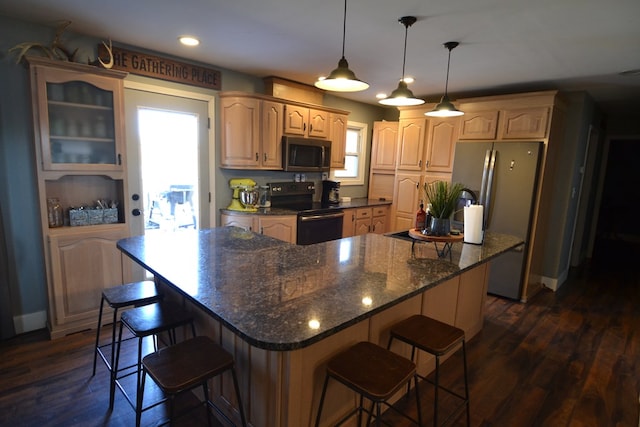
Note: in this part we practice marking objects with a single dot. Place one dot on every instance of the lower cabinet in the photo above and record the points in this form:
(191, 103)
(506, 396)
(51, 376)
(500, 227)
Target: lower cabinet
(82, 264)
(283, 227)
(359, 221)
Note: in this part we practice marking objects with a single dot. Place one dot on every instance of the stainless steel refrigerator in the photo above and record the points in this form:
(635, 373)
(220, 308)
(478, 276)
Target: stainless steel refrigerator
(503, 175)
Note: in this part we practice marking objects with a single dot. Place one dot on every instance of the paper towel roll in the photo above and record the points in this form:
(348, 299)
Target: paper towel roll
(473, 232)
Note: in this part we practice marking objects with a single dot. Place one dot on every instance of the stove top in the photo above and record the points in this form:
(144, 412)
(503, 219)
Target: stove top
(298, 196)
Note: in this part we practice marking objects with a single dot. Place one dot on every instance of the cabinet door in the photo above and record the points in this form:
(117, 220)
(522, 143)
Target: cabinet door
(279, 227)
(349, 223)
(405, 201)
(242, 221)
(379, 220)
(82, 265)
(411, 144)
(319, 124)
(525, 123)
(272, 118)
(80, 120)
(481, 125)
(295, 120)
(383, 145)
(338, 140)
(240, 132)
(443, 134)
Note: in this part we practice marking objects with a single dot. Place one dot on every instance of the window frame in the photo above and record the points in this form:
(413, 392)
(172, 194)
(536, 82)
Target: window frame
(362, 129)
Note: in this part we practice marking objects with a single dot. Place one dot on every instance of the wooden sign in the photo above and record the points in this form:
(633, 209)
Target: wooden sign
(162, 68)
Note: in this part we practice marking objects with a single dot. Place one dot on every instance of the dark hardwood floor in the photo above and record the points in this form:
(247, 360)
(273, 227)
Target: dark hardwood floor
(569, 358)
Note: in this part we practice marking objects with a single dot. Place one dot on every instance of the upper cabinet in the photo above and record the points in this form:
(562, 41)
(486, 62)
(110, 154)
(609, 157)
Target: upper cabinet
(480, 125)
(79, 118)
(411, 134)
(338, 136)
(441, 143)
(306, 122)
(252, 127)
(525, 123)
(384, 140)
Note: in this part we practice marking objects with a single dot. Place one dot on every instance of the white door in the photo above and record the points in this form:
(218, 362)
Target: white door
(167, 162)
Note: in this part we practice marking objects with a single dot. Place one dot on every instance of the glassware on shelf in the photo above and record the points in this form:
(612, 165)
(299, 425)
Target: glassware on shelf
(54, 212)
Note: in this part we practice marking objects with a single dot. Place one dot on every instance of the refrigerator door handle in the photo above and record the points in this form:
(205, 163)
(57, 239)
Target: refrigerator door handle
(487, 206)
(483, 183)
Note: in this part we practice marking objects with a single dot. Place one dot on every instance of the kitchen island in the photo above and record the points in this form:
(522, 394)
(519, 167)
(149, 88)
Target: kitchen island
(282, 310)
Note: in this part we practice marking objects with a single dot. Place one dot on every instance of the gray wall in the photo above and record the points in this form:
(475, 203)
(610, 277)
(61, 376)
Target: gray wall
(18, 185)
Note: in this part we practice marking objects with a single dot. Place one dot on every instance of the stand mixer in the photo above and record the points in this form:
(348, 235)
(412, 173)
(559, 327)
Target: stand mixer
(245, 197)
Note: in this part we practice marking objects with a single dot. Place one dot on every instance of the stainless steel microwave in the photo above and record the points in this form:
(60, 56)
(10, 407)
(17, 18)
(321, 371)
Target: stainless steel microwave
(305, 154)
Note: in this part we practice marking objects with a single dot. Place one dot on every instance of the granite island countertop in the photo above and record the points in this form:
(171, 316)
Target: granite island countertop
(279, 296)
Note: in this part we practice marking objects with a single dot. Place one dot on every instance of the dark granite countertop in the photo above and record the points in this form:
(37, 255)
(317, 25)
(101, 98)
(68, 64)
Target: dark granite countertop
(360, 202)
(279, 296)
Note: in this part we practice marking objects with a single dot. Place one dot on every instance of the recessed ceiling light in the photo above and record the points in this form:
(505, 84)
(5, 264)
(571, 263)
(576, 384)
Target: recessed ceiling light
(409, 80)
(189, 40)
(381, 95)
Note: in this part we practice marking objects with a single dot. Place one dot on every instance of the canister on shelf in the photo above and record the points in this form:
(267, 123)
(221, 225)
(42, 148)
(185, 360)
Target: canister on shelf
(54, 212)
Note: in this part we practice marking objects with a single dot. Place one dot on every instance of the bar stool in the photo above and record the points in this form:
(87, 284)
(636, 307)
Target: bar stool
(183, 367)
(149, 320)
(436, 338)
(372, 372)
(129, 295)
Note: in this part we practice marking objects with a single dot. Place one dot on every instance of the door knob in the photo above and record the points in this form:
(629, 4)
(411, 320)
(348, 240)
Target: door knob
(135, 196)
(136, 212)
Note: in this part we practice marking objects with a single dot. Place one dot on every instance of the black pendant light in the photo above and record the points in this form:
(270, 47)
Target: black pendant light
(446, 108)
(342, 79)
(402, 96)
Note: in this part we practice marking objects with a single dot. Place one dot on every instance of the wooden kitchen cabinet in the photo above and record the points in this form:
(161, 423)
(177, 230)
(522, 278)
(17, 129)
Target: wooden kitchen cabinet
(411, 137)
(480, 125)
(383, 160)
(283, 227)
(80, 156)
(383, 145)
(306, 122)
(358, 221)
(407, 195)
(82, 265)
(338, 140)
(441, 144)
(251, 133)
(363, 221)
(524, 123)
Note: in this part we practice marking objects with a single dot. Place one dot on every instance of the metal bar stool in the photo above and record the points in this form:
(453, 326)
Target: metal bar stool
(436, 338)
(374, 373)
(149, 320)
(183, 367)
(129, 295)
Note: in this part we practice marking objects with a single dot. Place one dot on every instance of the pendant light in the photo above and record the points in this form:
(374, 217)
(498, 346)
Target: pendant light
(446, 108)
(402, 96)
(342, 79)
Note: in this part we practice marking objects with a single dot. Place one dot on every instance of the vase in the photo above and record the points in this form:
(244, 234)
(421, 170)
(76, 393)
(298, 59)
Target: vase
(439, 227)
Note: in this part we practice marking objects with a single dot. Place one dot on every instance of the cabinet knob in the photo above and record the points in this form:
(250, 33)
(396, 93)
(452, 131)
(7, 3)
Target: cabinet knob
(136, 212)
(257, 157)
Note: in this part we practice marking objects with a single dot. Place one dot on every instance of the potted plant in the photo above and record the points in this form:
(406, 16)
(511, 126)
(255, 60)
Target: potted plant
(443, 199)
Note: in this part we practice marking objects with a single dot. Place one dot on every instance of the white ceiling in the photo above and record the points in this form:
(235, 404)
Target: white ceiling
(505, 45)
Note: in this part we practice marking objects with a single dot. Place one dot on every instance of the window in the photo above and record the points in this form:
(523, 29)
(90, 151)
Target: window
(355, 150)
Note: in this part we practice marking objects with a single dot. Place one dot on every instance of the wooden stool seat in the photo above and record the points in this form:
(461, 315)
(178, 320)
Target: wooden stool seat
(436, 338)
(145, 321)
(129, 295)
(427, 334)
(186, 365)
(371, 371)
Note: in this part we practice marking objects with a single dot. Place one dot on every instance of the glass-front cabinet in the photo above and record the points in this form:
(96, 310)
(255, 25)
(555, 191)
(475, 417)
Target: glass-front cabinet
(79, 120)
(78, 115)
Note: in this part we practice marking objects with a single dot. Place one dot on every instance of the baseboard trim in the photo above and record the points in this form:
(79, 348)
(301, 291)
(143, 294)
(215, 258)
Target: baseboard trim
(30, 322)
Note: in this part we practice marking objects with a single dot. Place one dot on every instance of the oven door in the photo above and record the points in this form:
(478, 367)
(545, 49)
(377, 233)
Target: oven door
(319, 227)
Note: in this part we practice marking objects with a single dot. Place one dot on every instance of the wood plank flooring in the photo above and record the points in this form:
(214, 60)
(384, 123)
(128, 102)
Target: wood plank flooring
(569, 358)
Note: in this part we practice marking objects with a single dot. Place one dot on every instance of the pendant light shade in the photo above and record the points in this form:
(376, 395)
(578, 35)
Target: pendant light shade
(446, 108)
(342, 79)
(402, 96)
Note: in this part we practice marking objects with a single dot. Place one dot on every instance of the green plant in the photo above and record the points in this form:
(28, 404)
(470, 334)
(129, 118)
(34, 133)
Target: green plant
(443, 197)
